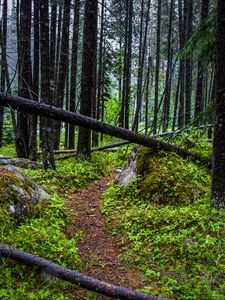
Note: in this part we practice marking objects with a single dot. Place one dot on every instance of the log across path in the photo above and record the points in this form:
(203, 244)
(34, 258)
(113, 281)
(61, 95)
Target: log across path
(55, 113)
(79, 279)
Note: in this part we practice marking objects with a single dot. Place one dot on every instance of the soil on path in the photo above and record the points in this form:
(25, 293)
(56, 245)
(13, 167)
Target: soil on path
(100, 252)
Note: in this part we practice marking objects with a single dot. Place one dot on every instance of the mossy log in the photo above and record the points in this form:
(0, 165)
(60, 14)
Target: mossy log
(55, 113)
(81, 280)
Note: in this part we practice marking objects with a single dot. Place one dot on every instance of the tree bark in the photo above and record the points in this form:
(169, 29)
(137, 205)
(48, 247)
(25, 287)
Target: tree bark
(88, 78)
(125, 104)
(3, 62)
(155, 121)
(79, 279)
(166, 106)
(181, 111)
(200, 86)
(47, 146)
(218, 178)
(73, 75)
(63, 68)
(35, 89)
(25, 80)
(142, 51)
(188, 77)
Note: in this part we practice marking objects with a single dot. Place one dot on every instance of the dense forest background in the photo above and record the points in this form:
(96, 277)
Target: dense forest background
(152, 69)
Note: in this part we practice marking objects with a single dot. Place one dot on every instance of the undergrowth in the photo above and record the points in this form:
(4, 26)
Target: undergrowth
(74, 173)
(45, 235)
(176, 239)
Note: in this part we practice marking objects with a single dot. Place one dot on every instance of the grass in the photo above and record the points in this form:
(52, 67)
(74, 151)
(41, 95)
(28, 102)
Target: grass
(45, 235)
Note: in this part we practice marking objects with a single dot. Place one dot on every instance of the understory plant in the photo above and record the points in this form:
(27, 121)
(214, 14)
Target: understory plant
(175, 237)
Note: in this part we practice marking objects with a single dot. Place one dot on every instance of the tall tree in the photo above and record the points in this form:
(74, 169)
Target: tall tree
(156, 100)
(88, 79)
(63, 68)
(35, 90)
(188, 75)
(182, 65)
(25, 76)
(47, 145)
(53, 44)
(218, 178)
(124, 114)
(166, 106)
(74, 68)
(200, 86)
(142, 52)
(3, 62)
(100, 75)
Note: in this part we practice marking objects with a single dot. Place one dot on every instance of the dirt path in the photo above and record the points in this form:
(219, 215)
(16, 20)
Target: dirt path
(100, 252)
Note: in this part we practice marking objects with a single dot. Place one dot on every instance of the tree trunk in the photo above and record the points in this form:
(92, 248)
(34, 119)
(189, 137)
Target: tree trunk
(79, 279)
(47, 146)
(25, 80)
(100, 71)
(200, 86)
(142, 48)
(124, 114)
(88, 79)
(218, 178)
(155, 121)
(35, 90)
(182, 66)
(166, 106)
(188, 79)
(3, 62)
(63, 68)
(73, 75)
(53, 44)
(128, 68)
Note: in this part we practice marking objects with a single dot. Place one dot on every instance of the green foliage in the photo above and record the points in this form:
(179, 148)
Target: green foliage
(179, 248)
(8, 150)
(168, 179)
(203, 41)
(74, 173)
(112, 109)
(43, 236)
(7, 128)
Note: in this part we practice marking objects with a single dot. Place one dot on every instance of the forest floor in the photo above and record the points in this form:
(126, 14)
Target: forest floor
(100, 251)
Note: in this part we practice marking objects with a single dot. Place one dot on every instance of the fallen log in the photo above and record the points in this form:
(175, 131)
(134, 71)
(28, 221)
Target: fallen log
(79, 279)
(109, 146)
(55, 113)
(103, 148)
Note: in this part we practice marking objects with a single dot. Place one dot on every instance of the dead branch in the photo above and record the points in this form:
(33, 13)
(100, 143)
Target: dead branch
(79, 279)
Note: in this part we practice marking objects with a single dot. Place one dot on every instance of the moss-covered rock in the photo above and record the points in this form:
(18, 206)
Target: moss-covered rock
(19, 194)
(166, 178)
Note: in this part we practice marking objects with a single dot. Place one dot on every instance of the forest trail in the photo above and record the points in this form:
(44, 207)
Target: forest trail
(100, 252)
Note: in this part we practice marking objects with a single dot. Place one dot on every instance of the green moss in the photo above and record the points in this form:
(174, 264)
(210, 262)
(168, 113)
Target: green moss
(8, 183)
(180, 249)
(166, 178)
(74, 173)
(45, 235)
(176, 239)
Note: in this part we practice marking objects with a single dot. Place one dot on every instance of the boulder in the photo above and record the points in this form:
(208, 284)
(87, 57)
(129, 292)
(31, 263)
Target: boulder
(20, 196)
(19, 162)
(129, 172)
